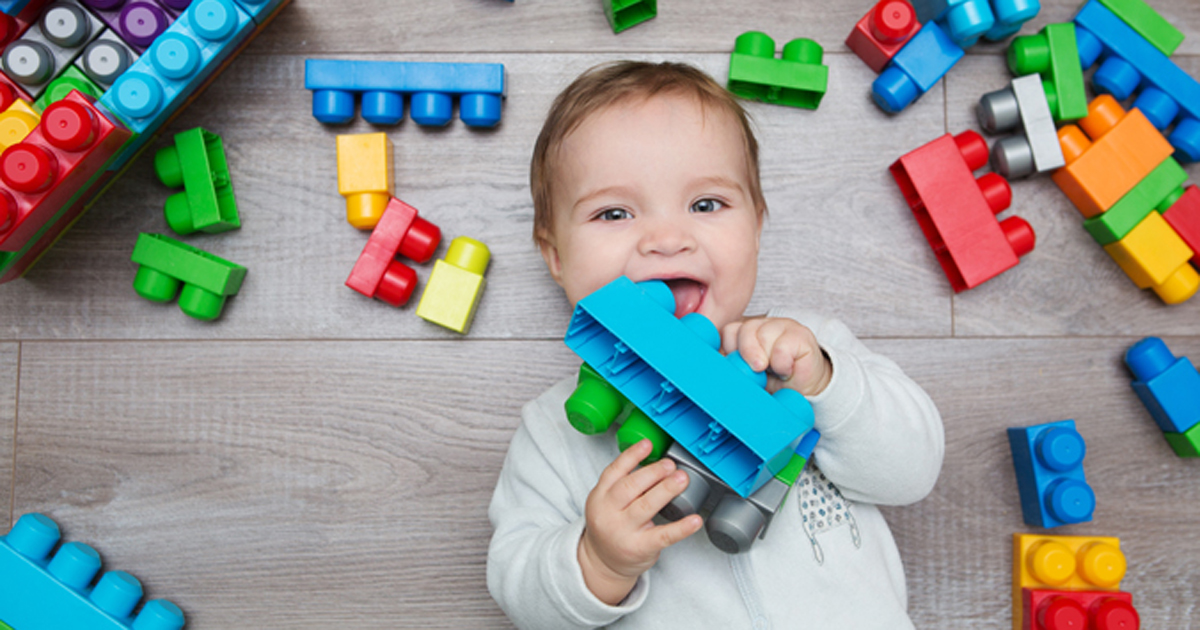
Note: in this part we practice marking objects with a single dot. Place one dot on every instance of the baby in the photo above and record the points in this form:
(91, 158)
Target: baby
(651, 171)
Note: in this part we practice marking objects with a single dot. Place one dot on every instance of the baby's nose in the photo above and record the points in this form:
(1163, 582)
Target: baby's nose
(667, 238)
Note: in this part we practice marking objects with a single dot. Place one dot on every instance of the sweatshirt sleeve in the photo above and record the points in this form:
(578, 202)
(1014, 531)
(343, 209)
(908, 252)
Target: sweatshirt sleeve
(533, 571)
(882, 439)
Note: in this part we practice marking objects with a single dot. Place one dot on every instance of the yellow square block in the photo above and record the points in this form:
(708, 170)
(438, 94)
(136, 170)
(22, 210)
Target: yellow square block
(16, 122)
(1155, 257)
(451, 296)
(1081, 563)
(365, 177)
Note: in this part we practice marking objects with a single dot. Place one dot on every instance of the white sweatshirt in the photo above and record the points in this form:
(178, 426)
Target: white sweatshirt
(828, 560)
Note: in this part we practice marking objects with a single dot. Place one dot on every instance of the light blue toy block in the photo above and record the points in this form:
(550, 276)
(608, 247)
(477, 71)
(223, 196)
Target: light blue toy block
(40, 592)
(12, 7)
(1169, 387)
(383, 84)
(1167, 92)
(964, 21)
(1048, 459)
(174, 67)
(923, 61)
(260, 10)
(714, 406)
(1010, 16)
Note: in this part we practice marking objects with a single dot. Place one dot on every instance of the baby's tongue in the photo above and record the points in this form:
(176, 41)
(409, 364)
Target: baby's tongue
(688, 294)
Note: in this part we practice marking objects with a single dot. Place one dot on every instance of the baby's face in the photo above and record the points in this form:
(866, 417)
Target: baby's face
(657, 189)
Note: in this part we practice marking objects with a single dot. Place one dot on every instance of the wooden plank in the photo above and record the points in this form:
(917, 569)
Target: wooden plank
(9, 355)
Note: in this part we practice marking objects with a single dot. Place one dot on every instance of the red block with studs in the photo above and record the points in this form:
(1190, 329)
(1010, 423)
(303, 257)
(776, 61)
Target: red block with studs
(1184, 217)
(1078, 610)
(400, 231)
(882, 32)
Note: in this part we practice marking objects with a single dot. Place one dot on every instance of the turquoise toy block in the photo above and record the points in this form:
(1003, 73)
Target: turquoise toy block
(1010, 16)
(797, 79)
(1168, 386)
(1048, 459)
(923, 61)
(714, 406)
(964, 21)
(260, 10)
(43, 592)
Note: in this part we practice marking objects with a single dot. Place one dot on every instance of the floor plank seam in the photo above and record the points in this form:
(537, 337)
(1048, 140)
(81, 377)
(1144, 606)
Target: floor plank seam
(12, 490)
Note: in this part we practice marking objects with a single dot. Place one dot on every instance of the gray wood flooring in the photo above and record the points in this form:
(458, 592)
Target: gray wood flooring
(317, 459)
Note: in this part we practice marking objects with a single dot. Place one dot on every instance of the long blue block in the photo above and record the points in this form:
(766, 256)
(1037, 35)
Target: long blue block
(1169, 387)
(1167, 92)
(714, 406)
(12, 7)
(174, 67)
(260, 10)
(1048, 460)
(383, 84)
(38, 592)
(916, 68)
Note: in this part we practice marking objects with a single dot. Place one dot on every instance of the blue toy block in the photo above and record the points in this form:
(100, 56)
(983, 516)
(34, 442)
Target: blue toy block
(923, 61)
(1167, 93)
(1010, 16)
(714, 406)
(383, 85)
(1048, 460)
(38, 592)
(12, 7)
(964, 21)
(260, 10)
(178, 62)
(1169, 387)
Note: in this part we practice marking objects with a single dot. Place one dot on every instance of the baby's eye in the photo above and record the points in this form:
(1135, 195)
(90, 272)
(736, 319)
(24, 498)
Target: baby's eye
(707, 205)
(613, 214)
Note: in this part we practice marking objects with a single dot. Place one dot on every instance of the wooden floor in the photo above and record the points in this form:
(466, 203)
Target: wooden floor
(315, 459)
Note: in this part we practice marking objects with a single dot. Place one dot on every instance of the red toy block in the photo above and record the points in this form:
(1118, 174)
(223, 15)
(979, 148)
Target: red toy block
(956, 211)
(73, 142)
(10, 29)
(1184, 217)
(1078, 610)
(400, 231)
(10, 92)
(882, 32)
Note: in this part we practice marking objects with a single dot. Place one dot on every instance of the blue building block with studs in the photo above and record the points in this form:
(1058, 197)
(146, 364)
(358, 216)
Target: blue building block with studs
(1010, 16)
(963, 21)
(40, 592)
(1048, 459)
(714, 406)
(1168, 386)
(1167, 94)
(178, 62)
(383, 84)
(260, 10)
(923, 61)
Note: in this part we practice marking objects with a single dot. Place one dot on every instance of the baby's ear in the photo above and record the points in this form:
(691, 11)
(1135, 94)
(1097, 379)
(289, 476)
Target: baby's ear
(550, 255)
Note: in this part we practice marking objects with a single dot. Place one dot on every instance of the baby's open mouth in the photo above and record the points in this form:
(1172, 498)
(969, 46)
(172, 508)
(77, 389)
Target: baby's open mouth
(688, 295)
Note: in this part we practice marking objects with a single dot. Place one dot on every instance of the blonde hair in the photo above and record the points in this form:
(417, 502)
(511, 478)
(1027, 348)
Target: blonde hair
(611, 83)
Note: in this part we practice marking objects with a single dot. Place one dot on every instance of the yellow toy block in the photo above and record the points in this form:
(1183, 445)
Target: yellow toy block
(1155, 257)
(455, 285)
(1081, 563)
(365, 179)
(17, 122)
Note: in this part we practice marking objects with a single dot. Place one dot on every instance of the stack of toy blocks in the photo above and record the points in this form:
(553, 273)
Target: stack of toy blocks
(1169, 387)
(623, 14)
(1070, 583)
(797, 78)
(965, 21)
(143, 60)
(1053, 54)
(43, 592)
(1048, 460)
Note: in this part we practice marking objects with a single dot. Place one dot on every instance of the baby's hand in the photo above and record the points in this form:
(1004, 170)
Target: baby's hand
(620, 542)
(785, 346)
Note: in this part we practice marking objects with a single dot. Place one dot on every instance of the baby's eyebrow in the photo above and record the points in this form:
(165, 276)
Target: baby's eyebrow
(617, 191)
(718, 181)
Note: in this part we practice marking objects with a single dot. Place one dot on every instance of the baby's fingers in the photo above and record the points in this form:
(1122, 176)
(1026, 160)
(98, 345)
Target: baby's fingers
(663, 536)
(624, 464)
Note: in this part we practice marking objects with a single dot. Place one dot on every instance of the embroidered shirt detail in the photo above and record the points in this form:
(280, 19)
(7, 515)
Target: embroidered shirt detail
(822, 508)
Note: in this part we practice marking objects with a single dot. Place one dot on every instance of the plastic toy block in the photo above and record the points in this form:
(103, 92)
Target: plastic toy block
(1159, 190)
(1143, 19)
(1123, 149)
(919, 65)
(261, 10)
(43, 592)
(1054, 54)
(365, 176)
(1154, 257)
(1048, 459)
(1186, 444)
(964, 21)
(10, 29)
(1011, 15)
(178, 62)
(1036, 150)
(197, 163)
(623, 14)
(138, 23)
(1046, 609)
(882, 32)
(956, 212)
(1184, 217)
(1168, 386)
(377, 273)
(72, 79)
(1072, 563)
(1167, 93)
(4, 626)
(383, 84)
(16, 123)
(71, 144)
(166, 263)
(712, 405)
(45, 51)
(19, 7)
(797, 79)
(15, 264)
(106, 59)
(11, 91)
(452, 295)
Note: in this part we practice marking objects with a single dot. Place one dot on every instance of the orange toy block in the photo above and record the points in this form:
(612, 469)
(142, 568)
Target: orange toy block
(1155, 257)
(1123, 149)
(1083, 563)
(364, 165)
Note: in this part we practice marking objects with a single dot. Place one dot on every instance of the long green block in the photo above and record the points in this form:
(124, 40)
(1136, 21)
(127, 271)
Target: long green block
(623, 14)
(197, 162)
(1186, 444)
(1142, 18)
(166, 264)
(1158, 190)
(71, 79)
(798, 79)
(1053, 53)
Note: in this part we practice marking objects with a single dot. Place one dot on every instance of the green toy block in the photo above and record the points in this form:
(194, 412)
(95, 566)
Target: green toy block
(797, 79)
(791, 472)
(197, 162)
(1054, 53)
(4, 626)
(71, 79)
(1142, 18)
(1158, 190)
(1186, 444)
(166, 263)
(623, 14)
(637, 427)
